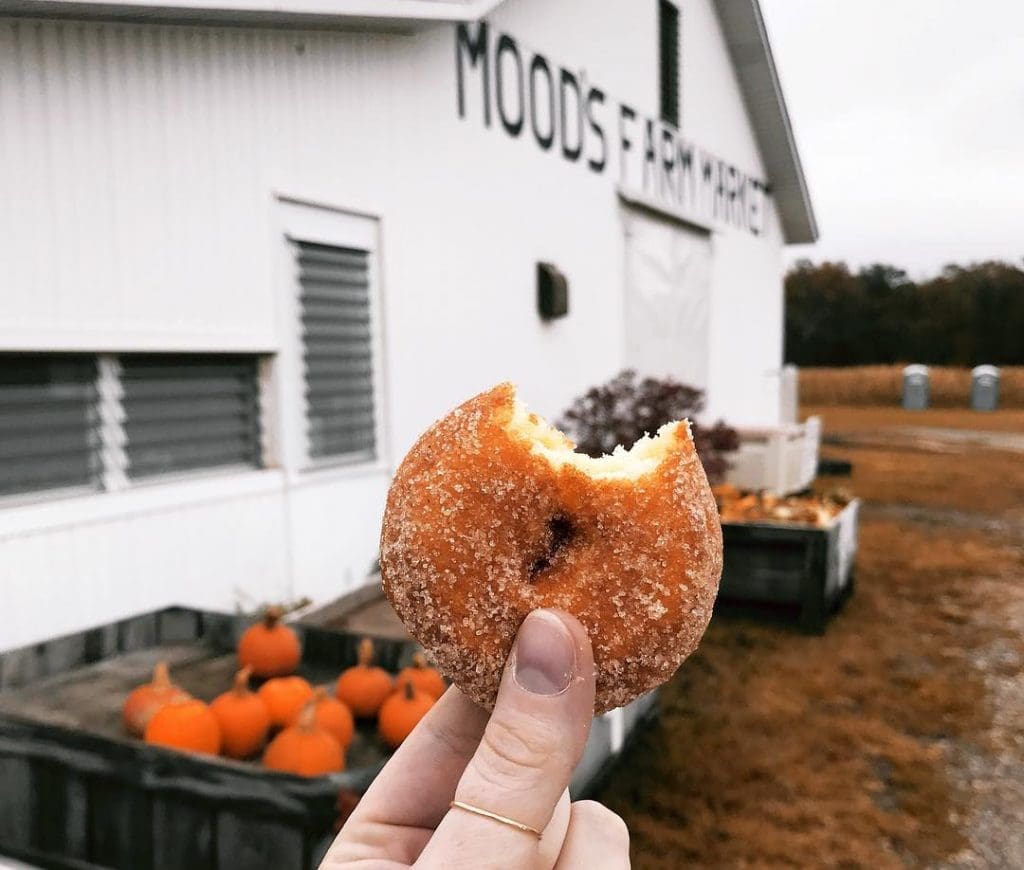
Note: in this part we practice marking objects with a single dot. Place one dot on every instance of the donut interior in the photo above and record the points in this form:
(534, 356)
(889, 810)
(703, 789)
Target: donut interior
(621, 464)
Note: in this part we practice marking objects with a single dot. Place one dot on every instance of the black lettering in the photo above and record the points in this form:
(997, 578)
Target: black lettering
(668, 161)
(540, 65)
(686, 182)
(625, 143)
(568, 82)
(507, 45)
(596, 96)
(650, 157)
(476, 49)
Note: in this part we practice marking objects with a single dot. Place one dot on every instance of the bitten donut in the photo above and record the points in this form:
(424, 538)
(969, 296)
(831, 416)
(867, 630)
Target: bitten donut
(492, 514)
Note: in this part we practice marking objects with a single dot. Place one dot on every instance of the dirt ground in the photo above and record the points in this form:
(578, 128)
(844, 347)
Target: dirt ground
(897, 739)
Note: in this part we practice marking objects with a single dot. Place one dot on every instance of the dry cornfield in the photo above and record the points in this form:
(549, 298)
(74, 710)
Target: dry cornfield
(883, 385)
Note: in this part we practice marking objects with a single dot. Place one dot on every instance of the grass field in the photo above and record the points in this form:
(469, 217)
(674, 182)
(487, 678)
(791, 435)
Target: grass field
(883, 385)
(850, 750)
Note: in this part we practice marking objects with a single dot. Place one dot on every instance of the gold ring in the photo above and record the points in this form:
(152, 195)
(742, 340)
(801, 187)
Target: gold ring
(487, 814)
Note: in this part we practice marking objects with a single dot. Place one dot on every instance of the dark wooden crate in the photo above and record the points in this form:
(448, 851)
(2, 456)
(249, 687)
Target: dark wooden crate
(789, 570)
(81, 795)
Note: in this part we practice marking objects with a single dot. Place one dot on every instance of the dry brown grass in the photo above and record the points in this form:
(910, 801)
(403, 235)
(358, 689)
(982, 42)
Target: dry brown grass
(883, 385)
(775, 749)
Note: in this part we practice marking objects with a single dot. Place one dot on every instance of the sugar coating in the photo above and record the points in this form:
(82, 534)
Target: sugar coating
(467, 551)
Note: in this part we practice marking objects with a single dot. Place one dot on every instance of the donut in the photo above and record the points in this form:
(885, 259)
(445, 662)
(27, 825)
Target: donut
(492, 514)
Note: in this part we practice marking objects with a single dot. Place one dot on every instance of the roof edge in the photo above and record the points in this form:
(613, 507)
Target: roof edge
(747, 39)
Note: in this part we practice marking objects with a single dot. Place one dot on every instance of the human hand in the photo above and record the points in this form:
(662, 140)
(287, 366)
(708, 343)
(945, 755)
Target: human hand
(515, 763)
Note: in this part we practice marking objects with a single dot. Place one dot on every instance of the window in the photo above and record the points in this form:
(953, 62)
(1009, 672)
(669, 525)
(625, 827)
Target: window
(190, 411)
(49, 435)
(668, 61)
(337, 350)
(76, 420)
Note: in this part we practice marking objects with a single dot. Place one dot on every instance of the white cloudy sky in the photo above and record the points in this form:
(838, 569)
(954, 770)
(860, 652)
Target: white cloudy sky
(909, 115)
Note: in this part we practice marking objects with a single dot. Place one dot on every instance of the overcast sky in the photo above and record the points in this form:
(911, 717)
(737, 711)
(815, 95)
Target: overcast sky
(909, 116)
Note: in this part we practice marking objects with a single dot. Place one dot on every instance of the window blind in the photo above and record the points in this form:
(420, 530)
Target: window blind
(668, 61)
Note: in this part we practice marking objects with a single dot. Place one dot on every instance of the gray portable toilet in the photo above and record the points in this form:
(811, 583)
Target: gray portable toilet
(984, 388)
(915, 387)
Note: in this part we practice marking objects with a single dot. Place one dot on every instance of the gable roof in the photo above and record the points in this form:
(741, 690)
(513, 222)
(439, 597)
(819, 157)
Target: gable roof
(747, 39)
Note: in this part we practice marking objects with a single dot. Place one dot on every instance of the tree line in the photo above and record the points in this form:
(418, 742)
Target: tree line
(965, 316)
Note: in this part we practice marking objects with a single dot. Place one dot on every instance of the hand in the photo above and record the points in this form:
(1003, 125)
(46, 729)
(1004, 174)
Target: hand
(516, 763)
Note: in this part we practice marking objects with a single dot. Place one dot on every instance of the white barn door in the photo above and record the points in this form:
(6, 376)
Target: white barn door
(668, 299)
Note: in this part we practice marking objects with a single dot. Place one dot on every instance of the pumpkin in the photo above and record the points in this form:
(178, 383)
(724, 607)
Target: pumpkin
(270, 647)
(143, 701)
(187, 725)
(305, 748)
(401, 713)
(284, 697)
(422, 677)
(333, 717)
(363, 687)
(243, 718)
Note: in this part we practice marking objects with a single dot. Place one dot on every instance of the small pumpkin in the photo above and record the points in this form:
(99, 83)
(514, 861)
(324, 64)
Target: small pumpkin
(144, 701)
(333, 717)
(401, 713)
(243, 718)
(304, 748)
(186, 725)
(284, 697)
(422, 677)
(270, 647)
(364, 687)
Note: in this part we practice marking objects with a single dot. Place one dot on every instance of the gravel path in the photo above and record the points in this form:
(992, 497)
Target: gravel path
(994, 774)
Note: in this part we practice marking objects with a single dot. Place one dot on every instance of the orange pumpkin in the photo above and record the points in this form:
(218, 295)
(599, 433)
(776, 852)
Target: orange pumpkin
(304, 748)
(284, 697)
(243, 718)
(401, 713)
(422, 677)
(270, 647)
(187, 725)
(363, 687)
(333, 717)
(144, 701)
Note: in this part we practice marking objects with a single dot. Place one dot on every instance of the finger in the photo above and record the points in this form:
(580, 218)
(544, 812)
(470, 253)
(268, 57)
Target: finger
(416, 786)
(597, 839)
(531, 744)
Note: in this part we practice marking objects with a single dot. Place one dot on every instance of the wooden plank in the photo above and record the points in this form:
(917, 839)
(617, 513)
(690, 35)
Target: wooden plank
(137, 633)
(253, 842)
(183, 834)
(177, 625)
(15, 802)
(61, 811)
(120, 822)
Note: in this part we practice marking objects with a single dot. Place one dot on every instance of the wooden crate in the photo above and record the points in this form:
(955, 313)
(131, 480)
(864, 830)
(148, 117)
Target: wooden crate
(789, 569)
(75, 792)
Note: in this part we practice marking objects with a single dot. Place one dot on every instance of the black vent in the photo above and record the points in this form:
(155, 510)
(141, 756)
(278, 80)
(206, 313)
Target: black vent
(48, 422)
(668, 56)
(190, 411)
(337, 341)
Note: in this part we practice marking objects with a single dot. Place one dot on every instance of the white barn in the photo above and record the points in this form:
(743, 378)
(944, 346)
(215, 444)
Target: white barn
(250, 249)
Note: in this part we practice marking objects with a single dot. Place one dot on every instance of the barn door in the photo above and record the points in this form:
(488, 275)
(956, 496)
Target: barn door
(668, 281)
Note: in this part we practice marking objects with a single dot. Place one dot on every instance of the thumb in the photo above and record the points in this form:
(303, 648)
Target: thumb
(532, 742)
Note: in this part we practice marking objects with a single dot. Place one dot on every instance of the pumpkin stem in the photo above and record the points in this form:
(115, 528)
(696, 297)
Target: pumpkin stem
(419, 661)
(272, 616)
(307, 718)
(161, 676)
(409, 690)
(319, 694)
(242, 681)
(365, 651)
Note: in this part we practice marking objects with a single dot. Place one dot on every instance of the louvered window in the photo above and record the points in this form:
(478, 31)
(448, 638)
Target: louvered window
(190, 411)
(668, 61)
(337, 351)
(48, 422)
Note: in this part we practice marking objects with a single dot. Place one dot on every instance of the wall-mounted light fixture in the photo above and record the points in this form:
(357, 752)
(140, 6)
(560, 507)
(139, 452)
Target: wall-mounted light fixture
(552, 292)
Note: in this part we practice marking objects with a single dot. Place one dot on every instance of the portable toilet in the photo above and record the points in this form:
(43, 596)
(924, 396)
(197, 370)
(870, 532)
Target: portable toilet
(915, 387)
(984, 388)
